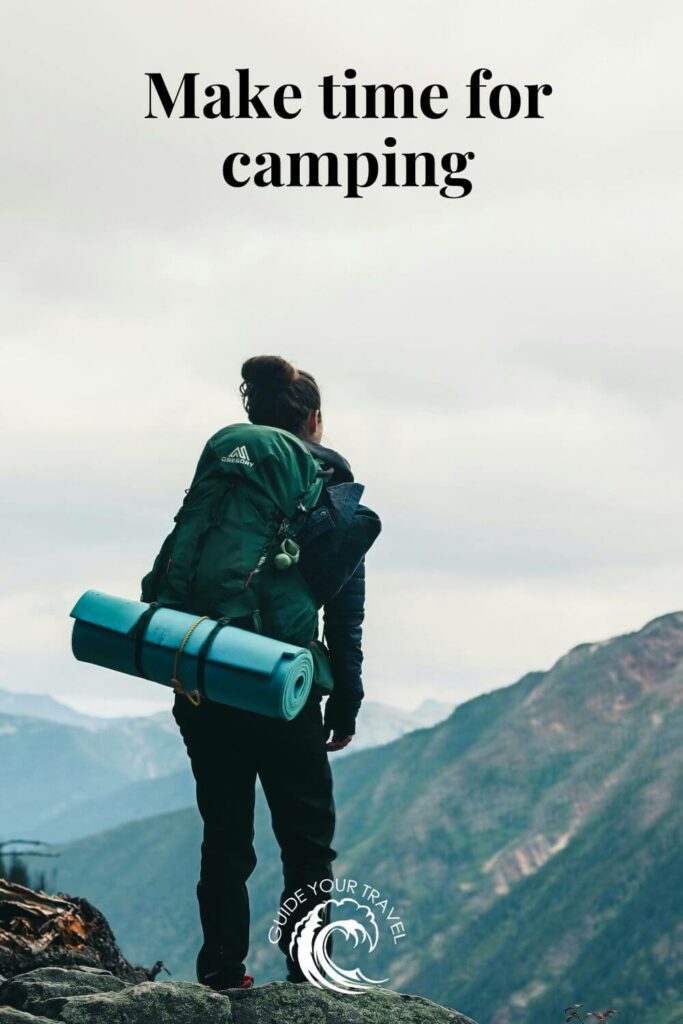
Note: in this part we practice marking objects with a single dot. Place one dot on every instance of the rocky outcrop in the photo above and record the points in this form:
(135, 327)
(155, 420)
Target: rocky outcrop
(37, 930)
(87, 995)
(60, 962)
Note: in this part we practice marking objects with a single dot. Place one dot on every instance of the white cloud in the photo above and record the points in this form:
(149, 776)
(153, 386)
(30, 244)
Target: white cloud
(502, 372)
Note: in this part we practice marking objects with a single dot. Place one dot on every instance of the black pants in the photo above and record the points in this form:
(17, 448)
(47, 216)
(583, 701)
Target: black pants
(228, 749)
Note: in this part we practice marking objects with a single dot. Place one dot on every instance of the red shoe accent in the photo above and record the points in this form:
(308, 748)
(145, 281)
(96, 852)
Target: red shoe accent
(247, 981)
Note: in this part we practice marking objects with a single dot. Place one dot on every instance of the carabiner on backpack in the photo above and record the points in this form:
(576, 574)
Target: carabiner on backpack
(288, 554)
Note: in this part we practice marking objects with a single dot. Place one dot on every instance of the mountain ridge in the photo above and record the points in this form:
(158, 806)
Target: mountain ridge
(90, 777)
(477, 827)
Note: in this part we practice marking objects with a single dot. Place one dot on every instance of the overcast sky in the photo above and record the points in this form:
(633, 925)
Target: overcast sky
(503, 371)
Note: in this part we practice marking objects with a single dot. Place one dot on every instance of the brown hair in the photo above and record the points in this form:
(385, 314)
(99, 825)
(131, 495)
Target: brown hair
(275, 394)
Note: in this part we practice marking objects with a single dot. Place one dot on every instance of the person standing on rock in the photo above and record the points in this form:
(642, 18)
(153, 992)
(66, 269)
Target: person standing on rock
(230, 748)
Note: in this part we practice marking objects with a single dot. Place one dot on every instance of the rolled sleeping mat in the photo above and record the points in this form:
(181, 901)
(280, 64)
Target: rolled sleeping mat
(192, 654)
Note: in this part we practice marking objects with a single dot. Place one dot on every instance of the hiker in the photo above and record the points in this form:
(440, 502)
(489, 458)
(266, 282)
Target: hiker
(322, 556)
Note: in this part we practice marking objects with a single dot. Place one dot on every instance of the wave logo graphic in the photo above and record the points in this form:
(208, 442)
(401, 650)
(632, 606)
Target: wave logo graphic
(309, 941)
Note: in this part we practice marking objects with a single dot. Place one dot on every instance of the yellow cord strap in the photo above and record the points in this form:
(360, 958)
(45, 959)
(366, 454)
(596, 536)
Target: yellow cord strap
(193, 696)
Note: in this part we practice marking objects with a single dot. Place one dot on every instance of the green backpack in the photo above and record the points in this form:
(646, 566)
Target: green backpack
(232, 552)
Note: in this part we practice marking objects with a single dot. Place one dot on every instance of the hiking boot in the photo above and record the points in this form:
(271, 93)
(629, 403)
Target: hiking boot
(219, 975)
(221, 981)
(246, 982)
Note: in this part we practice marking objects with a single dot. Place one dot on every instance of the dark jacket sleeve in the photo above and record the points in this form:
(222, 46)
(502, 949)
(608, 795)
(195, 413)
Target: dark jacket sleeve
(343, 618)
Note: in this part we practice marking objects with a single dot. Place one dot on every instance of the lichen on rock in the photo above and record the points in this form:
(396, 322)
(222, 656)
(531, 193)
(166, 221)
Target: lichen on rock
(83, 995)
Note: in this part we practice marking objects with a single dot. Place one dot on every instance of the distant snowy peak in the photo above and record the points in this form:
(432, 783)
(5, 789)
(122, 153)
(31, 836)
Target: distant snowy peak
(36, 705)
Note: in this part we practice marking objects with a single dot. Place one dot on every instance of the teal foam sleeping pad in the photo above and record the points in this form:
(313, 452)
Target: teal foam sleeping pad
(222, 663)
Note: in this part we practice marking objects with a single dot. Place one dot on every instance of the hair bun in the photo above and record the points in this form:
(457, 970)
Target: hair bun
(268, 372)
(275, 394)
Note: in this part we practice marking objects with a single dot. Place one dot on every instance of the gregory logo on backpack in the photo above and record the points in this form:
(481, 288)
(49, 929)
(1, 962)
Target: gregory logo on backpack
(239, 454)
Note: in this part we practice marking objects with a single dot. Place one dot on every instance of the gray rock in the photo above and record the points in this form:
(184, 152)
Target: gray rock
(152, 1002)
(87, 995)
(284, 1003)
(43, 991)
(8, 1015)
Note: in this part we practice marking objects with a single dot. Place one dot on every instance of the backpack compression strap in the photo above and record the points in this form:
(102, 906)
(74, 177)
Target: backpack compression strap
(139, 634)
(193, 696)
